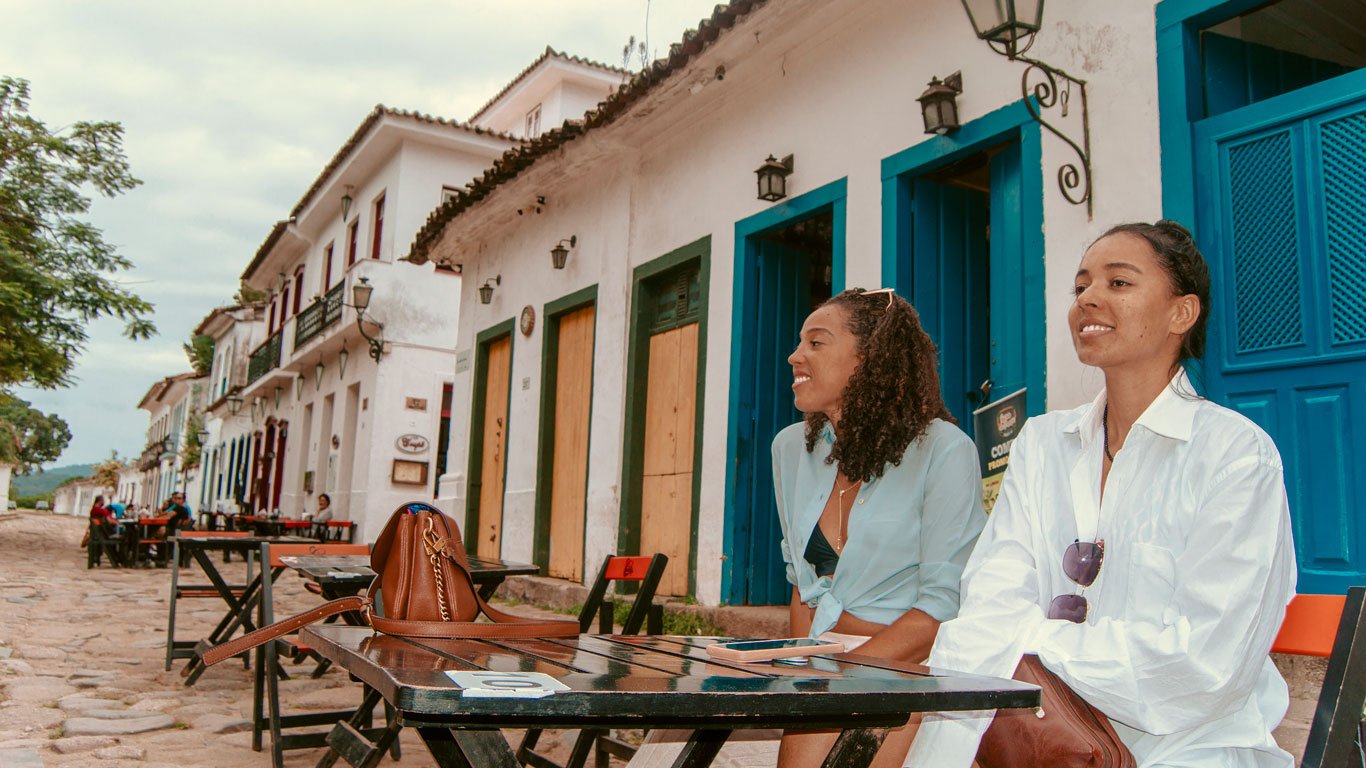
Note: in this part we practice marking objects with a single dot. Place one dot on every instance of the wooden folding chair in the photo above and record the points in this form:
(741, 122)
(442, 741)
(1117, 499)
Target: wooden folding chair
(1333, 626)
(266, 714)
(185, 649)
(646, 573)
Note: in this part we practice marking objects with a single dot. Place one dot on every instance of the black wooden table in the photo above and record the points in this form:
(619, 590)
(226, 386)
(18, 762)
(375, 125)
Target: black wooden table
(346, 575)
(241, 599)
(641, 682)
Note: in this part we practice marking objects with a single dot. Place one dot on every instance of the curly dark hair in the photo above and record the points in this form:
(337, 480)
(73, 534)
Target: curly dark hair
(1185, 266)
(892, 396)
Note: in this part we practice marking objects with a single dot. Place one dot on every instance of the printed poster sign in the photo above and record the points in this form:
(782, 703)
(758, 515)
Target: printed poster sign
(995, 426)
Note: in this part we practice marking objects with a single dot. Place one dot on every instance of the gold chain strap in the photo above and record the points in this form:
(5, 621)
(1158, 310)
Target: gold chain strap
(435, 546)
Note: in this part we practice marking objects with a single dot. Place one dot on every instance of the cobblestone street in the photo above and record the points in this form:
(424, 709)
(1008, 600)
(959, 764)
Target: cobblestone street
(82, 665)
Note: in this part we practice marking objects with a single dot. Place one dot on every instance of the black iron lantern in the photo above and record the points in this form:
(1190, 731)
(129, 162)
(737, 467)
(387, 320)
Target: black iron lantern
(486, 290)
(772, 177)
(1010, 24)
(939, 104)
(234, 404)
(559, 254)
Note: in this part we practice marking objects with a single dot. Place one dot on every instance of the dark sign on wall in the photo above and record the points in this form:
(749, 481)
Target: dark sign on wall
(996, 426)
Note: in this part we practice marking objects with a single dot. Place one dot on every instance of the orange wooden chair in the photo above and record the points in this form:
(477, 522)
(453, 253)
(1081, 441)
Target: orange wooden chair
(1332, 626)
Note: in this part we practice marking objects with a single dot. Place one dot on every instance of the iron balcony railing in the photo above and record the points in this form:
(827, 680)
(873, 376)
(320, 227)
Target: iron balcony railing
(319, 315)
(265, 359)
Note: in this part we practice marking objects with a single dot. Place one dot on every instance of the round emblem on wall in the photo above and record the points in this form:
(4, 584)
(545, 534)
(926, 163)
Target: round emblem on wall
(411, 443)
(528, 320)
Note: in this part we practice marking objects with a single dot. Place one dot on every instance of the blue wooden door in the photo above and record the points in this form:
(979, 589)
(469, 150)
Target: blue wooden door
(951, 288)
(1281, 188)
(784, 288)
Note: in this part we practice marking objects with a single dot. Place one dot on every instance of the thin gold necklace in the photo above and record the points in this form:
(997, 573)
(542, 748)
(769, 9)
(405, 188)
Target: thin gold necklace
(839, 502)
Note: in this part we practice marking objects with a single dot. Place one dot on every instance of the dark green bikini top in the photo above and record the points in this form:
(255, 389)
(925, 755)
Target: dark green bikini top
(820, 554)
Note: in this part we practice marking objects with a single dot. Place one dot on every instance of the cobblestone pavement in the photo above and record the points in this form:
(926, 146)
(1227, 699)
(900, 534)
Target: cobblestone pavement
(82, 656)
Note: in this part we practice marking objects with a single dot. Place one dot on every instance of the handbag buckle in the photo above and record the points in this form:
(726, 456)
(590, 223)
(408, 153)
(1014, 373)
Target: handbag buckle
(435, 544)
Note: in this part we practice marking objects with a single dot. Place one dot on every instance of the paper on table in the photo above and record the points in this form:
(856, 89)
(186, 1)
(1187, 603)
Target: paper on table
(511, 685)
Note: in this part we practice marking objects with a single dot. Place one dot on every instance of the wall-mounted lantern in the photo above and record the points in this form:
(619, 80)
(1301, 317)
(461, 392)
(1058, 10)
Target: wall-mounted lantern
(234, 404)
(939, 104)
(318, 374)
(1009, 27)
(772, 178)
(346, 202)
(361, 293)
(486, 290)
(559, 254)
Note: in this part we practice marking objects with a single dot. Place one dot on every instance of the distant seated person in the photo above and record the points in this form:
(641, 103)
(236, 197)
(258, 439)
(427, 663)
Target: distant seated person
(101, 516)
(119, 509)
(324, 513)
(178, 513)
(322, 517)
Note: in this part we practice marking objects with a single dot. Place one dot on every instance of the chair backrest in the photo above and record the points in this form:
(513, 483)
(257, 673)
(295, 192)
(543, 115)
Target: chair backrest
(1335, 733)
(645, 571)
(278, 551)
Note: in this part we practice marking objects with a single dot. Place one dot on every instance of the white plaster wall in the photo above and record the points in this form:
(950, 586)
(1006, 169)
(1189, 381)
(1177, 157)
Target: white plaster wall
(835, 85)
(64, 501)
(5, 470)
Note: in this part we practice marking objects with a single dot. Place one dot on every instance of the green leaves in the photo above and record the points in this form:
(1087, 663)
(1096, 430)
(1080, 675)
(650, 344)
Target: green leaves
(29, 437)
(56, 270)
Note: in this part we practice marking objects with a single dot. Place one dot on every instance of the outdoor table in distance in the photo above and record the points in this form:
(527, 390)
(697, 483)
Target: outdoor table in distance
(241, 599)
(346, 575)
(617, 681)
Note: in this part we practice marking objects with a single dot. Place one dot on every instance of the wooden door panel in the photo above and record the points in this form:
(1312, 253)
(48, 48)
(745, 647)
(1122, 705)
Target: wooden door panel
(670, 413)
(569, 470)
(494, 451)
(666, 526)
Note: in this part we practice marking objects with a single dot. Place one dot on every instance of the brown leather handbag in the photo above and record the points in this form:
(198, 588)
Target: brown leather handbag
(1063, 732)
(423, 581)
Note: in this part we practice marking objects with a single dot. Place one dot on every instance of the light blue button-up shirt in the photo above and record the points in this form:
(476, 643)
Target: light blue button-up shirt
(910, 531)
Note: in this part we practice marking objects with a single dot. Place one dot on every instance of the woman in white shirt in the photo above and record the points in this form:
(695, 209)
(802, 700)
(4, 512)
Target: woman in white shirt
(879, 494)
(1141, 545)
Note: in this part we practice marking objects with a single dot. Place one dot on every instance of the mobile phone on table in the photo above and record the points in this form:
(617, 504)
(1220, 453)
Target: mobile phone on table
(768, 650)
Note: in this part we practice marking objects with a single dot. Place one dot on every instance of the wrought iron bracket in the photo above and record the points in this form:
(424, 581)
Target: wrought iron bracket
(376, 342)
(1051, 89)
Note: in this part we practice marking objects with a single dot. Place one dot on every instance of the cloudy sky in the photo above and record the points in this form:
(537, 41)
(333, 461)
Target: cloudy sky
(231, 110)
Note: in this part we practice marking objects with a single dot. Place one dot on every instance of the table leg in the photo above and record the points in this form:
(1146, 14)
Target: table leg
(701, 749)
(855, 748)
(468, 749)
(487, 589)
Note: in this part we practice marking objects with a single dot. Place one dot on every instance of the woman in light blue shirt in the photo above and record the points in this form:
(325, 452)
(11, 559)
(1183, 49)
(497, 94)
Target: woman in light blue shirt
(879, 494)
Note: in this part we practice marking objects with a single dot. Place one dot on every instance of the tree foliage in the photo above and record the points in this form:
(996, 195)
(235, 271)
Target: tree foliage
(200, 352)
(106, 473)
(193, 448)
(29, 437)
(55, 268)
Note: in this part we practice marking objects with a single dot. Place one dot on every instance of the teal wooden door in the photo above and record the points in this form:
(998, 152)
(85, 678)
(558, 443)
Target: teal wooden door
(951, 288)
(783, 302)
(1281, 193)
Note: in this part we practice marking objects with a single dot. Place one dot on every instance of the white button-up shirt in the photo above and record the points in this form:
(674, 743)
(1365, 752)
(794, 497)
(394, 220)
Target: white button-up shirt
(1198, 568)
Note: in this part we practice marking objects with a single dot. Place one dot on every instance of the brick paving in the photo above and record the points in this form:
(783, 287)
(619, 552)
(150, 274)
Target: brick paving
(82, 656)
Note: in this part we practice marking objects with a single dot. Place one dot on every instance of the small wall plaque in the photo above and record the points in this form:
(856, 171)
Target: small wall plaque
(407, 472)
(415, 403)
(412, 443)
(462, 361)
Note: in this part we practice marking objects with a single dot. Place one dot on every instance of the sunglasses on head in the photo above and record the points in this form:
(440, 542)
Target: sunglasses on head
(1081, 562)
(889, 291)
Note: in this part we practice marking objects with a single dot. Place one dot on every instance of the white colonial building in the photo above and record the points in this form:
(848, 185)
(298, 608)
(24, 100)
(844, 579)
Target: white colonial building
(226, 457)
(348, 403)
(171, 405)
(626, 401)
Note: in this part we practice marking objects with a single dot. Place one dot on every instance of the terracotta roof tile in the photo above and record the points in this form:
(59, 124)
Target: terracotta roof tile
(547, 54)
(519, 158)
